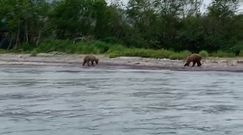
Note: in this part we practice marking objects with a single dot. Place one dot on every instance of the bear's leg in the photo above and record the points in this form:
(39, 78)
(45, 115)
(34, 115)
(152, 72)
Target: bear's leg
(193, 63)
(89, 63)
(199, 64)
(187, 64)
(84, 63)
(92, 62)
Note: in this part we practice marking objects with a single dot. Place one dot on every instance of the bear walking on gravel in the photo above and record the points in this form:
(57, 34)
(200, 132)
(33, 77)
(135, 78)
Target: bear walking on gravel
(90, 60)
(194, 58)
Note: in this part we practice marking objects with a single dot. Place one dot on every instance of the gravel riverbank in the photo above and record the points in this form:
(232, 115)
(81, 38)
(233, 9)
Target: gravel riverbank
(74, 60)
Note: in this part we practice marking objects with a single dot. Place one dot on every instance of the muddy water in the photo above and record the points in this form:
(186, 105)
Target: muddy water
(68, 101)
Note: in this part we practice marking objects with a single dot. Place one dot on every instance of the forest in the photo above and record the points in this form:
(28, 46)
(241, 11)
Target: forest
(99, 26)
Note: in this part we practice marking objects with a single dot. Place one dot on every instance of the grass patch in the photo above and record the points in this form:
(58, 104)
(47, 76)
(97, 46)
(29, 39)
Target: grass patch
(148, 53)
(33, 53)
(2, 51)
(110, 49)
(241, 53)
(222, 54)
(67, 46)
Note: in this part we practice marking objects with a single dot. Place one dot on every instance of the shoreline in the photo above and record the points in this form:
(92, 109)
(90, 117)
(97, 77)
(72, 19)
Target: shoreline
(75, 60)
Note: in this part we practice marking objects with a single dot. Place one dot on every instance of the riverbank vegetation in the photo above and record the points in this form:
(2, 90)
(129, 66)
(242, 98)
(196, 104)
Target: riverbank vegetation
(146, 28)
(110, 49)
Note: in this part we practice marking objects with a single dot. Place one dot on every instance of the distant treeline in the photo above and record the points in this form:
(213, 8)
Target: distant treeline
(153, 24)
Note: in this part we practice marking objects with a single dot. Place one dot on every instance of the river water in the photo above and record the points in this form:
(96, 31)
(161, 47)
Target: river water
(76, 101)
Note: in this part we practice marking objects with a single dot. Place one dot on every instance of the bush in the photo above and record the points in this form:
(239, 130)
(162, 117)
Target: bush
(56, 45)
(203, 53)
(86, 49)
(2, 51)
(102, 47)
(241, 53)
(237, 48)
(96, 47)
(111, 40)
(26, 47)
(34, 53)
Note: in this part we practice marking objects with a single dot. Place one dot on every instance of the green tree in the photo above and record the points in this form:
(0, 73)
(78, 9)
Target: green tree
(24, 18)
(218, 25)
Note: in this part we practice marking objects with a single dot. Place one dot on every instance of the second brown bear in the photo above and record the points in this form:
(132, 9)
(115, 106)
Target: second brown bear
(195, 59)
(90, 60)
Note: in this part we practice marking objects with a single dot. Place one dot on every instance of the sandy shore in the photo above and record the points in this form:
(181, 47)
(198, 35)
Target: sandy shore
(55, 59)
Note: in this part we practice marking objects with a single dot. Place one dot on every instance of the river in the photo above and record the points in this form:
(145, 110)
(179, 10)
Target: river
(76, 101)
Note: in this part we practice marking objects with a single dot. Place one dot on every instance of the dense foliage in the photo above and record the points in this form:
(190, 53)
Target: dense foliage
(153, 24)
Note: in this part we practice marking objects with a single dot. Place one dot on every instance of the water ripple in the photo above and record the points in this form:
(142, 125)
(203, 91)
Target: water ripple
(139, 102)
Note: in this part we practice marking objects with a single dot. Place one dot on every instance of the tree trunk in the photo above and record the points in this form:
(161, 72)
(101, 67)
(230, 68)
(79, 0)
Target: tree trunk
(17, 37)
(26, 33)
(38, 38)
(11, 42)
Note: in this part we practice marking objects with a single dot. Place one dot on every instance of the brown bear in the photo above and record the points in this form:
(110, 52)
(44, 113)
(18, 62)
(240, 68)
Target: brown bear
(194, 58)
(90, 59)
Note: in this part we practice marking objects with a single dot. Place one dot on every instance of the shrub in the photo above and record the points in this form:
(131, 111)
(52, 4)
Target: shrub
(203, 53)
(102, 47)
(241, 53)
(55, 45)
(25, 47)
(34, 53)
(2, 51)
(112, 40)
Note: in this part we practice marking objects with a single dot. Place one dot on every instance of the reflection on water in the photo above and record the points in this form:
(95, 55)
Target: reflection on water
(60, 101)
